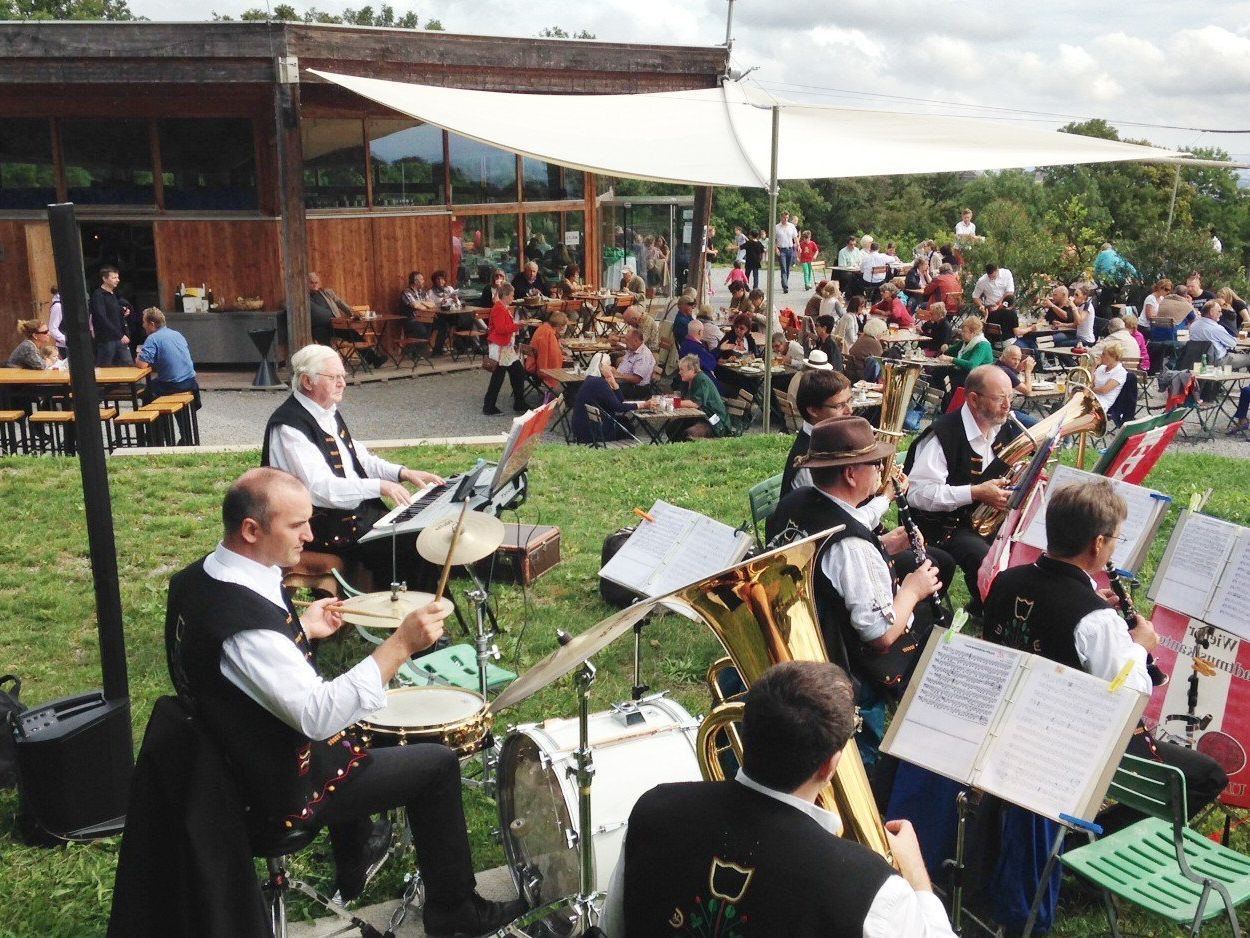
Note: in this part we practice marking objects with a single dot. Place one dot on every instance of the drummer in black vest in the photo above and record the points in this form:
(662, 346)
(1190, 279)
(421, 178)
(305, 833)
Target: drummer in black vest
(307, 437)
(952, 468)
(757, 852)
(240, 654)
(1052, 608)
(871, 620)
(822, 393)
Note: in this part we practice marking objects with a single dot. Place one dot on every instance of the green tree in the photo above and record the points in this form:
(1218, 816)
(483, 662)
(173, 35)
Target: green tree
(365, 16)
(555, 32)
(65, 10)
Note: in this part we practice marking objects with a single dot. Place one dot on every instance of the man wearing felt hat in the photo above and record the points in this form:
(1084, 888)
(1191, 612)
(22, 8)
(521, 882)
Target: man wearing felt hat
(871, 619)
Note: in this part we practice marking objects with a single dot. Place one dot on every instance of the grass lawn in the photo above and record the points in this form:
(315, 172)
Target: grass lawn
(167, 515)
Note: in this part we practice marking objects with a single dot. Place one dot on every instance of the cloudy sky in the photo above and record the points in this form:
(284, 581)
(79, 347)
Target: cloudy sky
(1184, 65)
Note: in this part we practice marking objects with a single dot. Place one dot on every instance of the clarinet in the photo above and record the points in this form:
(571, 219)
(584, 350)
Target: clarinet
(1157, 677)
(917, 546)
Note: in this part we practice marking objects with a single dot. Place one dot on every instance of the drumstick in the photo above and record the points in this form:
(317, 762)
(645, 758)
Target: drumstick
(348, 610)
(451, 550)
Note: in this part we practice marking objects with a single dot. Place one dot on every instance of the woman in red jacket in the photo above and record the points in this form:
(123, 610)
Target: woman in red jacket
(502, 351)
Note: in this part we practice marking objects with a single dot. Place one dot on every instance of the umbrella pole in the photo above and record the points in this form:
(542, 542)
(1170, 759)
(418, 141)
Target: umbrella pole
(1176, 184)
(772, 256)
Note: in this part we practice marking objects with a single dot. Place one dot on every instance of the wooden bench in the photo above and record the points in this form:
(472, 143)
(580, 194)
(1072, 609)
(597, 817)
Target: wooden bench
(188, 419)
(59, 437)
(137, 428)
(13, 432)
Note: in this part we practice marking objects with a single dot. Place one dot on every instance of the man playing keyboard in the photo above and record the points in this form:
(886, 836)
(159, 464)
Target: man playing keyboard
(307, 437)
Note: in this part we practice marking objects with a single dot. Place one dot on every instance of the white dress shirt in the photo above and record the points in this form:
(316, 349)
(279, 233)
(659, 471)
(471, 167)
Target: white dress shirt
(897, 911)
(991, 290)
(965, 229)
(786, 234)
(860, 575)
(291, 451)
(272, 671)
(876, 259)
(928, 489)
(1103, 644)
(803, 477)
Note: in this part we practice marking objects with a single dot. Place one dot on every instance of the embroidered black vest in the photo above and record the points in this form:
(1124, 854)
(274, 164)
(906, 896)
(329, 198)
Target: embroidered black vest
(284, 778)
(1036, 608)
(802, 440)
(333, 528)
(811, 511)
(963, 467)
(718, 858)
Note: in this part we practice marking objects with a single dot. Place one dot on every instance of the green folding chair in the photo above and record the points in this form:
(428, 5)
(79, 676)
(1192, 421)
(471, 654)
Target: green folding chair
(1161, 864)
(764, 497)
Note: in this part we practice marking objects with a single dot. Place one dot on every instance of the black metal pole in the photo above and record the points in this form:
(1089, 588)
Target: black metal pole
(67, 252)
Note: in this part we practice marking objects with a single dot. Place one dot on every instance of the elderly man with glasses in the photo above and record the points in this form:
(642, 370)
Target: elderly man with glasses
(308, 437)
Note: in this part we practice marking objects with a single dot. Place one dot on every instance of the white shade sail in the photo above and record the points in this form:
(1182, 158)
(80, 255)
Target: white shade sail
(723, 136)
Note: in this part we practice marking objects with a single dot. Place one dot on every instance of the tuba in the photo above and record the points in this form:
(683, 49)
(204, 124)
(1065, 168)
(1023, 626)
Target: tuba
(898, 381)
(763, 611)
(1081, 414)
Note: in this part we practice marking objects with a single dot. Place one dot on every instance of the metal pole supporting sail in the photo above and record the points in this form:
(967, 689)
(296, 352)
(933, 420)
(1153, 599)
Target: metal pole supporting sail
(768, 305)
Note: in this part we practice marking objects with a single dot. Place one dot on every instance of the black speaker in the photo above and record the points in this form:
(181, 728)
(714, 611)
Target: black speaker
(73, 768)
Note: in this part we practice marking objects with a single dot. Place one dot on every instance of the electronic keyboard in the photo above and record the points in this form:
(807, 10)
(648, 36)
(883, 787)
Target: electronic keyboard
(438, 499)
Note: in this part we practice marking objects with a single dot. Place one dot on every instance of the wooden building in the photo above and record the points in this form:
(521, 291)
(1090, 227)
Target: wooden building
(204, 153)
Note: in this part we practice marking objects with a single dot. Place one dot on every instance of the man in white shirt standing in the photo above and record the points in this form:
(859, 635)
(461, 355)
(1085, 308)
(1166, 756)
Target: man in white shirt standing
(786, 238)
(991, 287)
(966, 228)
(307, 437)
(240, 654)
(874, 268)
(760, 846)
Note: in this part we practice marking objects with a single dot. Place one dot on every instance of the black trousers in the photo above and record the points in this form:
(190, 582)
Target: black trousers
(425, 779)
(516, 375)
(968, 549)
(1204, 779)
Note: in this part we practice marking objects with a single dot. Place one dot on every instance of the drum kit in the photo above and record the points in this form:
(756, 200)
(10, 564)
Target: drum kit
(541, 774)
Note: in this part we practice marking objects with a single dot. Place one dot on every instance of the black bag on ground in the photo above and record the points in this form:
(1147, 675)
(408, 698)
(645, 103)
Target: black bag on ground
(10, 708)
(613, 593)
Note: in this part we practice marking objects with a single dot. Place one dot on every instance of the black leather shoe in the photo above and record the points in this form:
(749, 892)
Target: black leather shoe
(491, 411)
(473, 917)
(355, 874)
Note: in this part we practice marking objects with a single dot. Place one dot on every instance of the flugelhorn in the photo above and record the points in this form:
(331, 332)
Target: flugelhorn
(763, 611)
(1081, 414)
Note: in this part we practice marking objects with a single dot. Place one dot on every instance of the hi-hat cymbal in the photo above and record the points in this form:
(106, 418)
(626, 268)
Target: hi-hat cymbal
(479, 538)
(379, 612)
(567, 657)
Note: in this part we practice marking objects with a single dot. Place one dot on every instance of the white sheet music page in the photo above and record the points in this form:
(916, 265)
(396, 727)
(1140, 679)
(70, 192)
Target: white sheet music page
(709, 546)
(1054, 747)
(952, 704)
(1230, 606)
(1195, 559)
(1145, 510)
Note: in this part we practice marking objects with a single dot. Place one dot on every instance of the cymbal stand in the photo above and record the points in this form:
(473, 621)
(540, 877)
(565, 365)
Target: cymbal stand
(487, 652)
(583, 773)
(397, 585)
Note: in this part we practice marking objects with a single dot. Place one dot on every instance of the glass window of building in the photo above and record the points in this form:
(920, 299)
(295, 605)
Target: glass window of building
(108, 161)
(574, 184)
(480, 173)
(543, 244)
(208, 165)
(407, 163)
(480, 244)
(334, 163)
(573, 238)
(27, 177)
(541, 182)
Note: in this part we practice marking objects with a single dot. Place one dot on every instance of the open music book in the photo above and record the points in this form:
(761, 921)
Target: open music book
(1205, 573)
(1032, 731)
(1146, 509)
(679, 548)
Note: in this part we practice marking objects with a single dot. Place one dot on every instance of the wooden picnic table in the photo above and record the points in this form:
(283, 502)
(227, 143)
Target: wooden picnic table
(46, 383)
(656, 423)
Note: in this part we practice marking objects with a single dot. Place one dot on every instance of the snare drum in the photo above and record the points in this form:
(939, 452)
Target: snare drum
(456, 718)
(635, 746)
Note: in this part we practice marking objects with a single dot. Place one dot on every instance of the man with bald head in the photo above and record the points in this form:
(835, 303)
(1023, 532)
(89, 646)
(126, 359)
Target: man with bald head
(953, 467)
(238, 651)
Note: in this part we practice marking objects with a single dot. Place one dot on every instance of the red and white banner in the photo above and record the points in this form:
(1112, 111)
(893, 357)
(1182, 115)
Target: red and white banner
(1211, 713)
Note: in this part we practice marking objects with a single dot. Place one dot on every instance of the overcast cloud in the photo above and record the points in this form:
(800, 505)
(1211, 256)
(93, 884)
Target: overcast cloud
(1149, 61)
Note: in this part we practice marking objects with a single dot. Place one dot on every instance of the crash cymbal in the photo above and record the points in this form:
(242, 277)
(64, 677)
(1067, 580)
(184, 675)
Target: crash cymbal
(480, 536)
(377, 611)
(567, 657)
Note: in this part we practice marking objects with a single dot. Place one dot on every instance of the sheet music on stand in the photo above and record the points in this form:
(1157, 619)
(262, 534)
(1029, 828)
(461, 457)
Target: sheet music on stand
(1029, 730)
(679, 548)
(1205, 573)
(1146, 509)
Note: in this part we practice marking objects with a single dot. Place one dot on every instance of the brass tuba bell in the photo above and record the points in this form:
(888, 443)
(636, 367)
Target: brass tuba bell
(763, 611)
